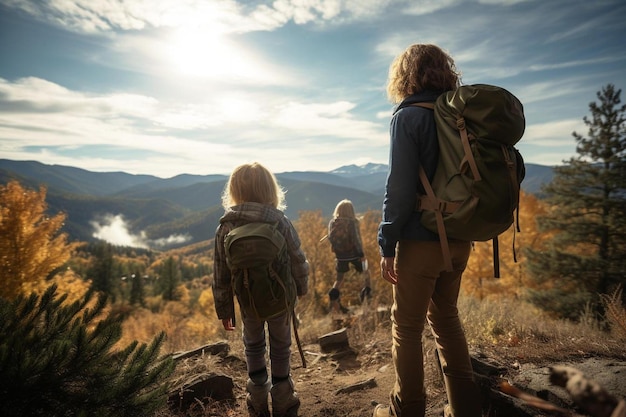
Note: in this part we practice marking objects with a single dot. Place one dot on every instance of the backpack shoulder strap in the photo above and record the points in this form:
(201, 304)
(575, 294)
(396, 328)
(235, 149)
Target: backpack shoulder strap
(426, 105)
(431, 202)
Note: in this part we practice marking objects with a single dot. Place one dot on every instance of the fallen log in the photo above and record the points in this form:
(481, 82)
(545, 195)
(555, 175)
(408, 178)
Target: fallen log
(587, 393)
(216, 349)
(369, 383)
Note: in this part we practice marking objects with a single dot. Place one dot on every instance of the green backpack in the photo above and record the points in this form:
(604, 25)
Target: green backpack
(475, 191)
(257, 256)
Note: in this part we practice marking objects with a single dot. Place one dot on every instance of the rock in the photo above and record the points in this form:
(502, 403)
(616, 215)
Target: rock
(200, 388)
(334, 341)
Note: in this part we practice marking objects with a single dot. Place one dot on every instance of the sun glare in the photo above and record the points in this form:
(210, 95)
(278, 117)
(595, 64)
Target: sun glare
(203, 53)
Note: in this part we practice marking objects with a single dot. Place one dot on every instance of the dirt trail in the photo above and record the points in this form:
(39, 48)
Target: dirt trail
(327, 386)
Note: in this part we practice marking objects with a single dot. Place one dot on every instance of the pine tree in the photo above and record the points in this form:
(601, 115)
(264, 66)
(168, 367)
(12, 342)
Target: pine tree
(59, 359)
(101, 271)
(584, 255)
(137, 292)
(169, 279)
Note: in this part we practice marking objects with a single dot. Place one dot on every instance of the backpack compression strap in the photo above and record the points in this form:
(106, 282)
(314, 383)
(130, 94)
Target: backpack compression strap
(465, 141)
(441, 228)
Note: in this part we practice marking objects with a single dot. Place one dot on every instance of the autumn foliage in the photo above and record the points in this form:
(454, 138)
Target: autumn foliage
(30, 245)
(478, 279)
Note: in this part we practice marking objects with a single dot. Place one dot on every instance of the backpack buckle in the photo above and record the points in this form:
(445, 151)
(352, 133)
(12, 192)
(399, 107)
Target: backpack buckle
(448, 207)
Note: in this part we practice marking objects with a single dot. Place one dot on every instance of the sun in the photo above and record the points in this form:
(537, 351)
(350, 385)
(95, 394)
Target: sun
(201, 52)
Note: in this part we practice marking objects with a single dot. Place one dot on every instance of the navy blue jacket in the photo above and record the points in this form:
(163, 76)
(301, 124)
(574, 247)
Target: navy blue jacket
(413, 143)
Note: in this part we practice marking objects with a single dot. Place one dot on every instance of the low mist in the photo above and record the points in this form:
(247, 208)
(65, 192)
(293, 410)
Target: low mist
(114, 230)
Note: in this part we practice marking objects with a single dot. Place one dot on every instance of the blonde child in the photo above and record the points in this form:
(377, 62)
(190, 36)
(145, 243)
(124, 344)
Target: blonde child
(252, 194)
(345, 239)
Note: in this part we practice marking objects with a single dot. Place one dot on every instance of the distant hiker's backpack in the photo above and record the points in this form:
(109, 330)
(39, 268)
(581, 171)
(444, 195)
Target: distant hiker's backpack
(341, 235)
(257, 256)
(475, 191)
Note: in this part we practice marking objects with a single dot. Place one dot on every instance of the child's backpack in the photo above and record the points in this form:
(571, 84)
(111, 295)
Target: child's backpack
(475, 191)
(257, 256)
(341, 235)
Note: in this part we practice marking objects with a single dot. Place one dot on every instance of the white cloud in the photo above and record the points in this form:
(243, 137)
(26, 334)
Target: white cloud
(553, 133)
(423, 7)
(502, 2)
(53, 124)
(575, 63)
(225, 16)
(114, 230)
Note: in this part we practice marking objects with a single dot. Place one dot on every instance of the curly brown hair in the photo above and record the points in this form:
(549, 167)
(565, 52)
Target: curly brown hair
(421, 67)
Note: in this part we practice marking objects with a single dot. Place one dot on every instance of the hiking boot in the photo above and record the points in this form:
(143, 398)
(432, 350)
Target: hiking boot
(256, 400)
(285, 402)
(384, 411)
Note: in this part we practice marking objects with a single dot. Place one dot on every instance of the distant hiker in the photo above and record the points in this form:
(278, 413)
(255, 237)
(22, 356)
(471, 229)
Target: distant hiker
(252, 195)
(345, 239)
(412, 258)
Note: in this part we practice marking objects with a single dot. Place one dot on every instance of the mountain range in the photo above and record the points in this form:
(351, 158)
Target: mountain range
(154, 212)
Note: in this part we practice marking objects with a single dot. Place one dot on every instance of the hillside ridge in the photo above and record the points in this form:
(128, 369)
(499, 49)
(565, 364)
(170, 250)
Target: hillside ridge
(190, 205)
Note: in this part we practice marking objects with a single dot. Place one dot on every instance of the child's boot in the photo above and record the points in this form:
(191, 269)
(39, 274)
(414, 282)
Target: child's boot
(256, 399)
(335, 303)
(285, 402)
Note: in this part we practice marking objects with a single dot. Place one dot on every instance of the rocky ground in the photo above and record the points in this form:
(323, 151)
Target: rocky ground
(350, 382)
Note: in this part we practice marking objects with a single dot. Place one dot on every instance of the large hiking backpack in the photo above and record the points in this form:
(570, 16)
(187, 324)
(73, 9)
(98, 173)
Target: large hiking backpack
(257, 256)
(475, 190)
(341, 236)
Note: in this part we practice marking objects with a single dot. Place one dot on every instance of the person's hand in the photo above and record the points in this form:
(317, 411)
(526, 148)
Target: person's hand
(228, 324)
(387, 269)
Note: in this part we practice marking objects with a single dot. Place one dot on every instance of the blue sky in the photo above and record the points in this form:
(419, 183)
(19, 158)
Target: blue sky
(165, 87)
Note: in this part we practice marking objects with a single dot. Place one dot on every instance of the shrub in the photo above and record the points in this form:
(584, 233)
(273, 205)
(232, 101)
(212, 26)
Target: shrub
(58, 359)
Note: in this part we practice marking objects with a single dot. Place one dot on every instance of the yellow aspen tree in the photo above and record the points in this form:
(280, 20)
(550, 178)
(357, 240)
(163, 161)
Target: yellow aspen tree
(312, 227)
(515, 274)
(381, 289)
(479, 272)
(31, 246)
(479, 281)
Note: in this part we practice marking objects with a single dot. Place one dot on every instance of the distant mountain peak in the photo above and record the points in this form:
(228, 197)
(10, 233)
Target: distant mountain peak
(355, 170)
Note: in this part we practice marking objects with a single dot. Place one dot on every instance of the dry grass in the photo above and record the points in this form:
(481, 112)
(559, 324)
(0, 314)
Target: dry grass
(615, 314)
(513, 329)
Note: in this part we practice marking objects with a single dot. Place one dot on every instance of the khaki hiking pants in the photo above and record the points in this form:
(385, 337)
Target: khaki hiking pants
(425, 291)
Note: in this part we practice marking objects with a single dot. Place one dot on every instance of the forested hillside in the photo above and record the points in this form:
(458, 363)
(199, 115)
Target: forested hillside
(166, 210)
